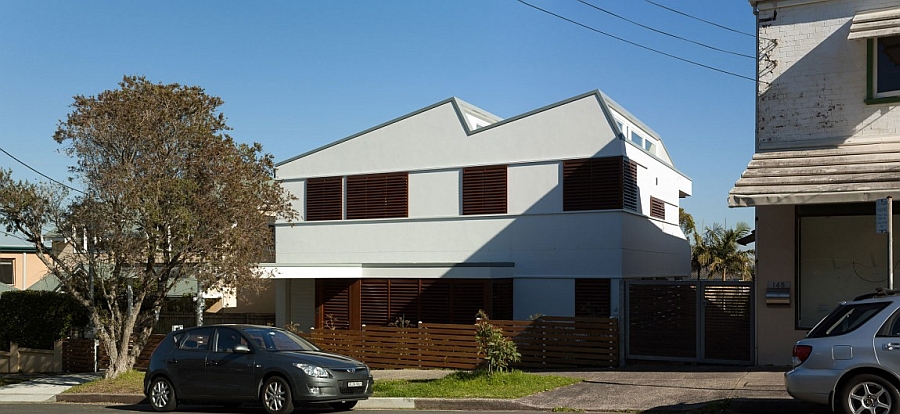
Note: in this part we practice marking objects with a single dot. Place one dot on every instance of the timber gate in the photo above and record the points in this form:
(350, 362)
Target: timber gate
(693, 321)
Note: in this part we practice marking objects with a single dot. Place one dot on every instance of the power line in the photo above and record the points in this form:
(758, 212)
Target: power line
(702, 20)
(38, 172)
(638, 44)
(666, 33)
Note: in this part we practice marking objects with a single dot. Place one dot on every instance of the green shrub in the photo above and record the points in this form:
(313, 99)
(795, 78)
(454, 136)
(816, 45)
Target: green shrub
(499, 351)
(37, 319)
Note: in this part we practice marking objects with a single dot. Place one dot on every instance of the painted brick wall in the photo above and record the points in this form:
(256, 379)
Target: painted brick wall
(813, 79)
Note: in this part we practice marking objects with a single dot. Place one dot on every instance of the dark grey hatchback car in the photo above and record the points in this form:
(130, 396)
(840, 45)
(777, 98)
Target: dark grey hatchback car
(233, 364)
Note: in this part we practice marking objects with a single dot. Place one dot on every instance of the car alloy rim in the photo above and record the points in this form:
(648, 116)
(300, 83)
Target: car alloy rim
(275, 396)
(160, 394)
(869, 397)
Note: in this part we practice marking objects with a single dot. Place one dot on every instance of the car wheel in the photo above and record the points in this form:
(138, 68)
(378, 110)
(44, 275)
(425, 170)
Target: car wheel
(343, 406)
(869, 394)
(162, 395)
(276, 396)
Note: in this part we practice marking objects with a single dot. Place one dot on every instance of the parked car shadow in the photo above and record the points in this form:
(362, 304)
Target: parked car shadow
(204, 409)
(744, 406)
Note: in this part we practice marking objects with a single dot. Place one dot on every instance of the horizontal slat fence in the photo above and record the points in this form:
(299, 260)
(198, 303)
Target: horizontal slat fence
(547, 343)
(78, 355)
(81, 355)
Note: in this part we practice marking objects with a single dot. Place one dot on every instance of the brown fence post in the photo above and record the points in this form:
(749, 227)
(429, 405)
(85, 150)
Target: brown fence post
(14, 358)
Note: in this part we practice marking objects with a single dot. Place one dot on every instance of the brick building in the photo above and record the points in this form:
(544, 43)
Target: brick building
(827, 147)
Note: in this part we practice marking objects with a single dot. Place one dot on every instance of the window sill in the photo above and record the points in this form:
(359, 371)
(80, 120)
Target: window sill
(885, 100)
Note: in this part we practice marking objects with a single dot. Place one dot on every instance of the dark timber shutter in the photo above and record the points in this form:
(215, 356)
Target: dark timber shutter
(657, 208)
(436, 301)
(404, 300)
(324, 198)
(502, 294)
(374, 294)
(592, 297)
(467, 299)
(377, 196)
(484, 190)
(593, 184)
(335, 302)
(629, 184)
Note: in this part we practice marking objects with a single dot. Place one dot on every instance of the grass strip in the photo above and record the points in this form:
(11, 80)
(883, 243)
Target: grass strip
(459, 384)
(508, 385)
(131, 382)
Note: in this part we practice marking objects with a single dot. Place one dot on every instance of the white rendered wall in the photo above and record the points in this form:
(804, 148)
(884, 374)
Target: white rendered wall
(555, 297)
(535, 234)
(558, 245)
(436, 193)
(435, 139)
(534, 188)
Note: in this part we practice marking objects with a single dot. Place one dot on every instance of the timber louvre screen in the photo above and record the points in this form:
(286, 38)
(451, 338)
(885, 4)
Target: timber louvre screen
(701, 321)
(608, 183)
(324, 198)
(377, 196)
(484, 190)
(351, 303)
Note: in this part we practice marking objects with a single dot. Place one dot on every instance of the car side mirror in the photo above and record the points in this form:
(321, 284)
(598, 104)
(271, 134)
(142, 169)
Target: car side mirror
(241, 349)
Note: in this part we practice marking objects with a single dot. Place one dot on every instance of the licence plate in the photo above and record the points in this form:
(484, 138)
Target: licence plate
(353, 384)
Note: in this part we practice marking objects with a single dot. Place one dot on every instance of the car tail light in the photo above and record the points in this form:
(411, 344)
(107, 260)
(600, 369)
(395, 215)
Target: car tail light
(801, 353)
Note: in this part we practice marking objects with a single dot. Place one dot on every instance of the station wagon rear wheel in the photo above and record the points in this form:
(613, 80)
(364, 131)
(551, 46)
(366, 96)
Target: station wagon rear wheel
(869, 394)
(162, 395)
(276, 396)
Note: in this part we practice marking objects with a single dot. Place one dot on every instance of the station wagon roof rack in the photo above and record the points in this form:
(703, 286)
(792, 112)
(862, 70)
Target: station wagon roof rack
(879, 293)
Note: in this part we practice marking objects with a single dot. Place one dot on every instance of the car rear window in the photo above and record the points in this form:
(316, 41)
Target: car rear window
(846, 318)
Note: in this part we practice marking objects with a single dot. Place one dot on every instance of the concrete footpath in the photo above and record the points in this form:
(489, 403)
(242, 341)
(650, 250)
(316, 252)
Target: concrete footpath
(639, 389)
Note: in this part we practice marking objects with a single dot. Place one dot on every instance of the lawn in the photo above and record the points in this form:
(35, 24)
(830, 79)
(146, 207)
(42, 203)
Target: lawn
(463, 384)
(456, 385)
(131, 382)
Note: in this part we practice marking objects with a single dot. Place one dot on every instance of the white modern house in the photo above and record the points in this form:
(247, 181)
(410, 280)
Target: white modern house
(827, 147)
(450, 209)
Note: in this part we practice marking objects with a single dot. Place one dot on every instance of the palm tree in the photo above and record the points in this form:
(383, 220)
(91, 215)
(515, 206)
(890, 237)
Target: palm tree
(722, 254)
(699, 249)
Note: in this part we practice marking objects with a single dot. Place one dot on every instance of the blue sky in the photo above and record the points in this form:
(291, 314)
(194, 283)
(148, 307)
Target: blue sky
(296, 75)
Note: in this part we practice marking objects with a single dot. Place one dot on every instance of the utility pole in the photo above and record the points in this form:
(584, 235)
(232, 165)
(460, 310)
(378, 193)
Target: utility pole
(884, 223)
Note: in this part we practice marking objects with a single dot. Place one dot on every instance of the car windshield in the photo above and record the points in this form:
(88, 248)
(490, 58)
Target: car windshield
(845, 318)
(278, 340)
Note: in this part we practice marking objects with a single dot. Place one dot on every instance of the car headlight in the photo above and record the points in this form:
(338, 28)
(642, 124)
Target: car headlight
(313, 371)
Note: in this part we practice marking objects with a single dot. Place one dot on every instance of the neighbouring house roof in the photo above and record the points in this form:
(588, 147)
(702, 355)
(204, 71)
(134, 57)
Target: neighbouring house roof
(46, 283)
(6, 288)
(851, 172)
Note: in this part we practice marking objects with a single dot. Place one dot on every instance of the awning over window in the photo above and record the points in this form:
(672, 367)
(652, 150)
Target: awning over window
(875, 23)
(848, 173)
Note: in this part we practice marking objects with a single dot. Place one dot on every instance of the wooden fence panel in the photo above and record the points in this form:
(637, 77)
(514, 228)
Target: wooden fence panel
(548, 343)
(78, 355)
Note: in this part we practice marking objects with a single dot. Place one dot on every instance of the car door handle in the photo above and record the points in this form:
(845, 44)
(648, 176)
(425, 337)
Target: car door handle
(171, 361)
(211, 363)
(891, 346)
